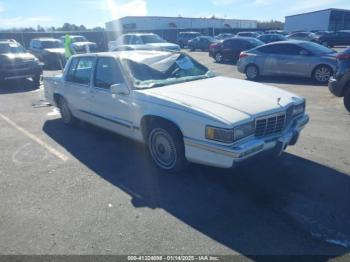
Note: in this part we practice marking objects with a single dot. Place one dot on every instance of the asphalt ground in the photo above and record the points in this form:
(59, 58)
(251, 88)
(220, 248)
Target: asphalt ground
(83, 190)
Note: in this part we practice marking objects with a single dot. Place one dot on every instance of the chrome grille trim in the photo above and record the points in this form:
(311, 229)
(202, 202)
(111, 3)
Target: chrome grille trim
(272, 124)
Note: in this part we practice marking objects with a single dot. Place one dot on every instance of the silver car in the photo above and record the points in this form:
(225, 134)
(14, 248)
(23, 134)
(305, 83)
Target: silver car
(289, 58)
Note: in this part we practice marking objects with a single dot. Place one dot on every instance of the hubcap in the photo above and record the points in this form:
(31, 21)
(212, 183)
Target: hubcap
(162, 148)
(323, 74)
(218, 57)
(252, 72)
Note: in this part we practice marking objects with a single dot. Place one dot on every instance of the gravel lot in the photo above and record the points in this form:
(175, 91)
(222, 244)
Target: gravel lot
(83, 190)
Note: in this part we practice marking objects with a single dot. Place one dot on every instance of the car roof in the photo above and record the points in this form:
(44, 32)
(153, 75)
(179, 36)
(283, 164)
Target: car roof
(139, 34)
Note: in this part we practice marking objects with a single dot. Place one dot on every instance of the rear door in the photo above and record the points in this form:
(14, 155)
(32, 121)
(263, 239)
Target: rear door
(109, 110)
(77, 85)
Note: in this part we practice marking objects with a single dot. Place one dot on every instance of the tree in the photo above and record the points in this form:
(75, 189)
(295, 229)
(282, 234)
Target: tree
(273, 24)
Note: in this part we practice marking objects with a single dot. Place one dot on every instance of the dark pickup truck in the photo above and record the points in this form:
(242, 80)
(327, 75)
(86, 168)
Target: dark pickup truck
(17, 63)
(339, 85)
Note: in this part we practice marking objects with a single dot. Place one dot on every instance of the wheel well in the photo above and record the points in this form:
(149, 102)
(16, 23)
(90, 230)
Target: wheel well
(149, 121)
(346, 88)
(56, 98)
(313, 71)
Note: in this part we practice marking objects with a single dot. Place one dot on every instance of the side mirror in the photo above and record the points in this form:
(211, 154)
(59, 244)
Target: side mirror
(120, 89)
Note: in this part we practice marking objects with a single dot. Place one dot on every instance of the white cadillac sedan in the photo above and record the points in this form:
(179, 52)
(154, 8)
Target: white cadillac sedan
(177, 107)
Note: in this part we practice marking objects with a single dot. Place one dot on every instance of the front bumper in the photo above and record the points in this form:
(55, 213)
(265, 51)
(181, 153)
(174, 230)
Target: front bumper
(334, 87)
(10, 73)
(229, 156)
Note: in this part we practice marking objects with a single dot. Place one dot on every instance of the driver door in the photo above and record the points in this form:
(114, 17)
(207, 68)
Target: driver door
(111, 111)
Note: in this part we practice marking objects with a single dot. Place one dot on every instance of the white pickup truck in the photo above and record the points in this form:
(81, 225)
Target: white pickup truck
(177, 107)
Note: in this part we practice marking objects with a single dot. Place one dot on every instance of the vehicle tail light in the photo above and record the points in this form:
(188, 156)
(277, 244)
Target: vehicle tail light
(214, 45)
(243, 55)
(343, 56)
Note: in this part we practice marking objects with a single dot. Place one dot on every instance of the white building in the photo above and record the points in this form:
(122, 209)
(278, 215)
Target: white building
(149, 23)
(323, 20)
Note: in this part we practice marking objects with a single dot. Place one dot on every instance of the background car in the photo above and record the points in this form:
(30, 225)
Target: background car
(333, 38)
(17, 63)
(50, 51)
(270, 38)
(223, 36)
(230, 49)
(339, 85)
(248, 34)
(150, 39)
(201, 42)
(303, 36)
(134, 47)
(184, 37)
(81, 45)
(289, 58)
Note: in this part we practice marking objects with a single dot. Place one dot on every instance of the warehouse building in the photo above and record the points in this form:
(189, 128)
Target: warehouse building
(153, 23)
(323, 20)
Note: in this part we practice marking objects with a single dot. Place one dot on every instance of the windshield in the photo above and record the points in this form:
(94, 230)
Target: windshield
(255, 42)
(11, 48)
(316, 48)
(52, 44)
(164, 68)
(149, 39)
(78, 39)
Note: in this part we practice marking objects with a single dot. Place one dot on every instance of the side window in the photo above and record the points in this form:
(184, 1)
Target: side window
(107, 73)
(80, 70)
(290, 49)
(126, 40)
(71, 70)
(83, 71)
(136, 40)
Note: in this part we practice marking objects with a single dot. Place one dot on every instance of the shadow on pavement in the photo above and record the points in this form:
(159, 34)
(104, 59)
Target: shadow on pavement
(243, 209)
(16, 86)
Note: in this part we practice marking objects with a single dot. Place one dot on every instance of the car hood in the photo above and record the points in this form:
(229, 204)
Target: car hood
(55, 50)
(227, 99)
(166, 46)
(23, 57)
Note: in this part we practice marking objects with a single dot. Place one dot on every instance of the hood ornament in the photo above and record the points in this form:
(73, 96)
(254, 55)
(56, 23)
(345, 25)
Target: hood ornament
(279, 101)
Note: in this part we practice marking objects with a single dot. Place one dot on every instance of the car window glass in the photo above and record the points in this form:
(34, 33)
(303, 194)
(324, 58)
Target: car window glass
(82, 71)
(71, 70)
(107, 73)
(136, 40)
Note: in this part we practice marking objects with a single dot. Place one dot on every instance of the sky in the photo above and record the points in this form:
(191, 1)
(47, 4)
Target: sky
(91, 13)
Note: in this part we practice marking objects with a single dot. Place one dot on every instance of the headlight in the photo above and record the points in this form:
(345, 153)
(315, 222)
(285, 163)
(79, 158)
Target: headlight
(299, 109)
(219, 134)
(244, 130)
(230, 135)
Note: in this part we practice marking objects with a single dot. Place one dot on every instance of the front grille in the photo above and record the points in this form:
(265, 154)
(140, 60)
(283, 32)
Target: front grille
(270, 125)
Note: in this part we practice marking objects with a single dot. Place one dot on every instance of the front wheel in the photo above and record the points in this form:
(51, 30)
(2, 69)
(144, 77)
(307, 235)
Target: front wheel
(347, 100)
(252, 72)
(322, 74)
(166, 148)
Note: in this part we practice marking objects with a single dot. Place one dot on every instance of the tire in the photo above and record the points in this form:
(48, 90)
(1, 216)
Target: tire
(347, 100)
(219, 58)
(37, 80)
(322, 73)
(66, 115)
(252, 72)
(166, 147)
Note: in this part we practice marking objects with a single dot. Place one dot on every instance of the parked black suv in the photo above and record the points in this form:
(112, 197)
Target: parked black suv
(333, 39)
(184, 37)
(339, 85)
(50, 51)
(231, 48)
(17, 63)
